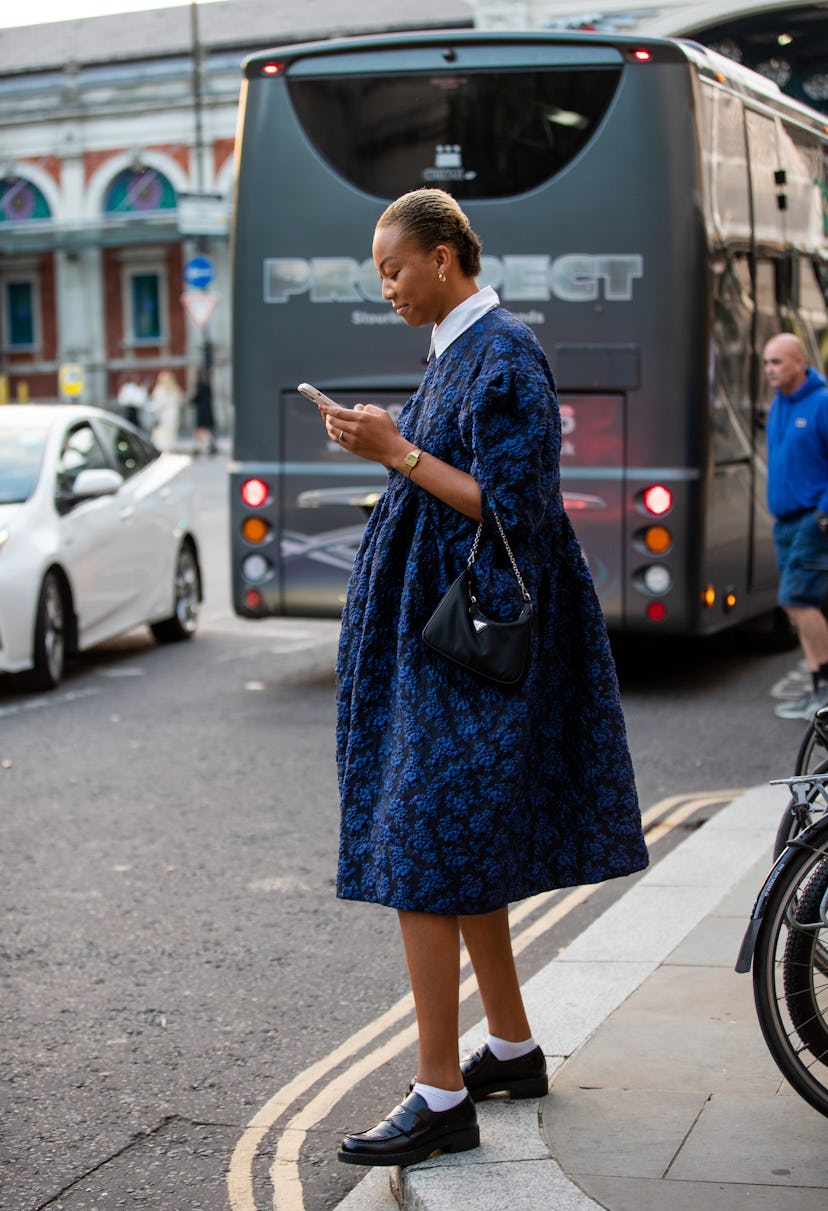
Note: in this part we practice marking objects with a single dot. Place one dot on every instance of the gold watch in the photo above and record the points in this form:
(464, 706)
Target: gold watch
(411, 460)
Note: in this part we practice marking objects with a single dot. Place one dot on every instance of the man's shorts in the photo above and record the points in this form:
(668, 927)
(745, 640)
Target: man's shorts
(802, 555)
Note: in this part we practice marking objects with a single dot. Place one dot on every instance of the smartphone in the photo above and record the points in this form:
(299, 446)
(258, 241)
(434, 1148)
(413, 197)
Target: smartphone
(318, 397)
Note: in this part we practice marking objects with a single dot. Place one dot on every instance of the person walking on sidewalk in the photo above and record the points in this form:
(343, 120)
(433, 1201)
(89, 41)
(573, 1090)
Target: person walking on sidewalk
(459, 797)
(167, 400)
(204, 438)
(797, 434)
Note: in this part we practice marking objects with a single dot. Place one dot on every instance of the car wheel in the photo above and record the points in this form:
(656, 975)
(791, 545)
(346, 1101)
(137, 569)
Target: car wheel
(50, 635)
(187, 598)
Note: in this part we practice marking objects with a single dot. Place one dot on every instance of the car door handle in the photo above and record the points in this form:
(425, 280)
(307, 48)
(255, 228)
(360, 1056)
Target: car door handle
(126, 513)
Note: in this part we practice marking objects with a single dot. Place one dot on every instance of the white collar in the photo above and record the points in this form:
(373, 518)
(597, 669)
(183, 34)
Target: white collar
(462, 317)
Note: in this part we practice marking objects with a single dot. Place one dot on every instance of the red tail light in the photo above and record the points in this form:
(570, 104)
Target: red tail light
(254, 492)
(658, 500)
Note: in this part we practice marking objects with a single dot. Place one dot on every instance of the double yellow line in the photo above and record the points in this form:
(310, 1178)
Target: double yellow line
(658, 821)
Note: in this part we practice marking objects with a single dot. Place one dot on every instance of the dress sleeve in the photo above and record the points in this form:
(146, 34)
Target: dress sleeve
(513, 429)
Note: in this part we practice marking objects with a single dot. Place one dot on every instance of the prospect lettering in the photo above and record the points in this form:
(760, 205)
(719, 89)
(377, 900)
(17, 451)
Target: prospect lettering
(573, 278)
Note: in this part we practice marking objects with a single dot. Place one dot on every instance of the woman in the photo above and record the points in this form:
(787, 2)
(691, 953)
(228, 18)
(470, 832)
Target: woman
(204, 438)
(459, 797)
(167, 398)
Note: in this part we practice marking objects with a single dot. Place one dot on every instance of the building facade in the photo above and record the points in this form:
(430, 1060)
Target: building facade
(116, 176)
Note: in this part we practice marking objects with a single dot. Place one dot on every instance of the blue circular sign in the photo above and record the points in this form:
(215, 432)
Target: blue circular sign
(198, 272)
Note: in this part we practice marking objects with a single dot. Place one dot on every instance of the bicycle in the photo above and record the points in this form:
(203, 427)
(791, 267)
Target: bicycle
(786, 944)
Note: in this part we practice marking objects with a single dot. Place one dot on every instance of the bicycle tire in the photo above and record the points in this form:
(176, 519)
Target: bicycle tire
(774, 964)
(790, 825)
(804, 969)
(812, 751)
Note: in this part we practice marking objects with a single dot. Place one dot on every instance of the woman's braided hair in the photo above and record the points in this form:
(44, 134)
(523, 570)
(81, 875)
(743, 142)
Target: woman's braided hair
(431, 217)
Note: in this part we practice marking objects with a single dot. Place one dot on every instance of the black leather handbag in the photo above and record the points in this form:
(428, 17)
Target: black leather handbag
(459, 630)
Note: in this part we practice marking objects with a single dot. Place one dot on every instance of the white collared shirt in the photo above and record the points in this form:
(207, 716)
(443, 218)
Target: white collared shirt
(462, 317)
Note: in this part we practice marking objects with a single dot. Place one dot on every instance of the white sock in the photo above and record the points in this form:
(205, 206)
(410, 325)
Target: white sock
(502, 1049)
(439, 1099)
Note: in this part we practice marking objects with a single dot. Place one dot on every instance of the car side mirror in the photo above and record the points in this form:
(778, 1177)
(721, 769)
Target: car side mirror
(96, 481)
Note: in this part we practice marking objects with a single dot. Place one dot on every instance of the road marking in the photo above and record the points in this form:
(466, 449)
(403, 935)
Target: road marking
(661, 818)
(42, 704)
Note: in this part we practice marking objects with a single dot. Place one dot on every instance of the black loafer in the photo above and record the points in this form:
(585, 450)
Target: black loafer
(412, 1133)
(484, 1074)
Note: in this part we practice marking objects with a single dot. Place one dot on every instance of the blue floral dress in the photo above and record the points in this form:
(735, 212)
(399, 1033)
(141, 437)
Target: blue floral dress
(458, 796)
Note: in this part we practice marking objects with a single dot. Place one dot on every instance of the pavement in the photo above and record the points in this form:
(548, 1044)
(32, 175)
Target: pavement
(663, 1095)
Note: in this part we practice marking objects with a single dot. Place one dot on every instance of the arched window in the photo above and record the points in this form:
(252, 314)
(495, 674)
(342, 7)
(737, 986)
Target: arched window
(21, 201)
(139, 191)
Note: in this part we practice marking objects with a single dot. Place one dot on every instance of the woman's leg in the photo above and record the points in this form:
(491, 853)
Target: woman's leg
(432, 950)
(489, 943)
(429, 1120)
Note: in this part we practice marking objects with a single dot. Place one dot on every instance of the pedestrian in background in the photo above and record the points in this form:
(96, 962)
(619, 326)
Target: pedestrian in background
(167, 400)
(459, 797)
(205, 424)
(132, 398)
(797, 433)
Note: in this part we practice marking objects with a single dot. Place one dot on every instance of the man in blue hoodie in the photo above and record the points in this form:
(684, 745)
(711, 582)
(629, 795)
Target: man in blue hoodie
(797, 434)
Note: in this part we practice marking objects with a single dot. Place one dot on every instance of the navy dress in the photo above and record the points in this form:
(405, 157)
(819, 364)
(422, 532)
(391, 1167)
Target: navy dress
(458, 796)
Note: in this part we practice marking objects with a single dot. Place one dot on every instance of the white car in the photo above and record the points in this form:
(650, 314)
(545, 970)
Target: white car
(96, 537)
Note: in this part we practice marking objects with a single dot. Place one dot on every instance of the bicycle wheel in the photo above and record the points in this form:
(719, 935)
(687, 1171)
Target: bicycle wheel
(790, 986)
(804, 966)
(794, 818)
(812, 751)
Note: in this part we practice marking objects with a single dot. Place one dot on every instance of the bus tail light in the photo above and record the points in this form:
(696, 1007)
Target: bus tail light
(657, 539)
(273, 69)
(254, 529)
(656, 611)
(657, 579)
(708, 595)
(642, 55)
(657, 499)
(253, 599)
(254, 493)
(256, 567)
(729, 601)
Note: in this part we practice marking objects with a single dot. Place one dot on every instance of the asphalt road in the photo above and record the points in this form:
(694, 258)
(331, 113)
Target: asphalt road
(173, 954)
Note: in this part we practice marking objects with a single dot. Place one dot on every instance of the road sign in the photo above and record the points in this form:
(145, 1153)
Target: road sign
(199, 305)
(198, 272)
(203, 214)
(70, 378)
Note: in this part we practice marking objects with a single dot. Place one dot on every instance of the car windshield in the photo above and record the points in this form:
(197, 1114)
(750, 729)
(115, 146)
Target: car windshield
(21, 453)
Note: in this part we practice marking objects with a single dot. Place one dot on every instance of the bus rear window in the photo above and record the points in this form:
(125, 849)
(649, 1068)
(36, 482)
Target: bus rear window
(477, 134)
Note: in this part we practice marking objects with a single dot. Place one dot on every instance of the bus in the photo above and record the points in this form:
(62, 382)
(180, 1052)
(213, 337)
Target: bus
(654, 211)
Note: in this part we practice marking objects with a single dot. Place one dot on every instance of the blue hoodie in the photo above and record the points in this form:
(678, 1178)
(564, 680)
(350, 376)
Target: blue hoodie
(797, 434)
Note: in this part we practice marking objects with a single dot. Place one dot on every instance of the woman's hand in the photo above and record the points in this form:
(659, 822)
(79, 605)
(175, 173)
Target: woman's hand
(367, 431)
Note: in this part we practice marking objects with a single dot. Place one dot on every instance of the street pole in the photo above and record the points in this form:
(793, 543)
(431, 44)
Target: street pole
(198, 113)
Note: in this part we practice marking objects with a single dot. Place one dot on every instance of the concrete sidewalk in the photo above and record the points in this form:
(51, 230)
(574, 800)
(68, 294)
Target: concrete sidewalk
(663, 1095)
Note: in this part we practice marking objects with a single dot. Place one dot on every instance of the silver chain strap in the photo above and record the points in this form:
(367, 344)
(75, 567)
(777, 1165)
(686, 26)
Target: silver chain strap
(476, 544)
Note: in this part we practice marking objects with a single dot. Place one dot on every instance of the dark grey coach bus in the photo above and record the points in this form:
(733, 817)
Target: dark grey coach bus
(653, 211)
